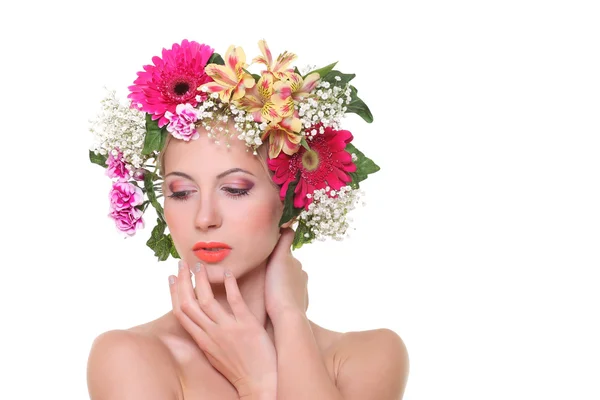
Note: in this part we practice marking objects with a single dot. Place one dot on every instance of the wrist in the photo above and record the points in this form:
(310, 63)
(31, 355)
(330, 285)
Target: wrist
(266, 395)
(265, 390)
(286, 312)
(262, 394)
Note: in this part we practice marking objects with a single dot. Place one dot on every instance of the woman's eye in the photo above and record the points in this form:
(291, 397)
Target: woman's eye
(236, 192)
(183, 195)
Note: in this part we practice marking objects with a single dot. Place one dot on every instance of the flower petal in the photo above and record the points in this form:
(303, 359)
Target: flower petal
(266, 58)
(222, 74)
(235, 57)
(283, 60)
(275, 144)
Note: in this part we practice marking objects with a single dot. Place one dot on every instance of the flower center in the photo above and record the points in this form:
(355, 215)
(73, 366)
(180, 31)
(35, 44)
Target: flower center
(181, 88)
(310, 160)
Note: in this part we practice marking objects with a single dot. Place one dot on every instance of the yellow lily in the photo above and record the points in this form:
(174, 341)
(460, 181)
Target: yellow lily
(258, 101)
(230, 80)
(281, 139)
(280, 68)
(294, 88)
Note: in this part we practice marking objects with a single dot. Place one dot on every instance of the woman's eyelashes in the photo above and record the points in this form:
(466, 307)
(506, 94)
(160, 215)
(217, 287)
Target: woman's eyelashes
(181, 195)
(233, 192)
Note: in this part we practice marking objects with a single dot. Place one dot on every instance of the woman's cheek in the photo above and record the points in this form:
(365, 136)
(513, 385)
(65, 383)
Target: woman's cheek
(173, 220)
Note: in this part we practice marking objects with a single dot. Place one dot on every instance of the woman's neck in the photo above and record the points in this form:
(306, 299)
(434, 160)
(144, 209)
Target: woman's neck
(252, 288)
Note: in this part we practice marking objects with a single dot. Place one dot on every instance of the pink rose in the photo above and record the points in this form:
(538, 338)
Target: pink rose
(116, 167)
(128, 221)
(125, 196)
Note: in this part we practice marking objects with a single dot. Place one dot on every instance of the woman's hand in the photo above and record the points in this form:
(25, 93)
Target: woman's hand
(236, 345)
(285, 281)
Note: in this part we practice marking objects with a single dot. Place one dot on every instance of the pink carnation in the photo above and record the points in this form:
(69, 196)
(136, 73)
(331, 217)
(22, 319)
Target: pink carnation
(182, 124)
(117, 167)
(125, 196)
(128, 221)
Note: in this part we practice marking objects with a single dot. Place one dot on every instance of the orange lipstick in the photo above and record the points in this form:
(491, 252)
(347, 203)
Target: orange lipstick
(211, 252)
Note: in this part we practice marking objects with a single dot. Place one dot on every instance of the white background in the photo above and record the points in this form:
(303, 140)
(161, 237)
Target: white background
(479, 241)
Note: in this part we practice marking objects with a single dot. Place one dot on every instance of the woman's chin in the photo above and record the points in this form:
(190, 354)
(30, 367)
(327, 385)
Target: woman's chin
(215, 273)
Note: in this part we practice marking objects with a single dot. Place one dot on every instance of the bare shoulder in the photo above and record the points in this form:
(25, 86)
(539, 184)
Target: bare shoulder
(372, 364)
(126, 364)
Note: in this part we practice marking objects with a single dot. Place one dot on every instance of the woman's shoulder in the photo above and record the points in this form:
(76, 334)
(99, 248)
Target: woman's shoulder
(354, 341)
(131, 363)
(380, 353)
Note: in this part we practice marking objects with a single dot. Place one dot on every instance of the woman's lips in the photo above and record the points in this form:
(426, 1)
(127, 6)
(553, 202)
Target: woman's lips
(212, 252)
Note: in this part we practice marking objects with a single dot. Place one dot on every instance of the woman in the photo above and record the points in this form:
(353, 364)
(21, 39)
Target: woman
(241, 330)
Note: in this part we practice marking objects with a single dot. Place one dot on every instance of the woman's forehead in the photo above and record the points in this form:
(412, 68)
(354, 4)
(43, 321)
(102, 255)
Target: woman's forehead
(207, 156)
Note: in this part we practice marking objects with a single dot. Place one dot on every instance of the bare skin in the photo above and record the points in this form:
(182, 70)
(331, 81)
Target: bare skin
(161, 360)
(198, 379)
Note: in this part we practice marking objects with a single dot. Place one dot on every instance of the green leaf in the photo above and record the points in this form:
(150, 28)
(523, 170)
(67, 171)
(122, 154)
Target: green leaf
(98, 159)
(216, 58)
(174, 252)
(299, 238)
(256, 77)
(358, 106)
(289, 211)
(149, 189)
(364, 166)
(304, 143)
(344, 78)
(159, 242)
(322, 71)
(155, 136)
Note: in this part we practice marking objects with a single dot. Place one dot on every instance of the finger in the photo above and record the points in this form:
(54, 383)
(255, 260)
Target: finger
(187, 299)
(306, 299)
(206, 298)
(234, 298)
(199, 336)
(284, 244)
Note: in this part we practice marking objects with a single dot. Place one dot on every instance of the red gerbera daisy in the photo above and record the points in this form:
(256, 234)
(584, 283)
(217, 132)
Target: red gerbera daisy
(172, 80)
(327, 163)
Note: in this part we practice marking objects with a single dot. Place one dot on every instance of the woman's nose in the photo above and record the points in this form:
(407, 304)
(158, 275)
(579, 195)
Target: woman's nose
(208, 215)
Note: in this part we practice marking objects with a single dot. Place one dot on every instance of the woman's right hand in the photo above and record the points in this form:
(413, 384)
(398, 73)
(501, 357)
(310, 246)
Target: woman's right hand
(237, 345)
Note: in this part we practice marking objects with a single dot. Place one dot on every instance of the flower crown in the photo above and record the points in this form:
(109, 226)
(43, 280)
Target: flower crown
(311, 157)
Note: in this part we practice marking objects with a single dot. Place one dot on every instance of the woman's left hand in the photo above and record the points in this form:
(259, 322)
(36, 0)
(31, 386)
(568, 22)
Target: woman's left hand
(285, 281)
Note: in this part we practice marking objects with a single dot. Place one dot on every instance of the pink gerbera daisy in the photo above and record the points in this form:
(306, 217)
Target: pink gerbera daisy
(173, 79)
(327, 163)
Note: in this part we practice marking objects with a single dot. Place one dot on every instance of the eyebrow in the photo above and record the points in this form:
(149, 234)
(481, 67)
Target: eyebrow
(221, 175)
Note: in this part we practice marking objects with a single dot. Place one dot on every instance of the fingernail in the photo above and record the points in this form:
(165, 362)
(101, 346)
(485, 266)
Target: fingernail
(171, 280)
(198, 267)
(227, 273)
(180, 264)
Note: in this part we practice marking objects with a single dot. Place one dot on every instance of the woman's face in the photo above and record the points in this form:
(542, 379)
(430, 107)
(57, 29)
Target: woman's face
(214, 194)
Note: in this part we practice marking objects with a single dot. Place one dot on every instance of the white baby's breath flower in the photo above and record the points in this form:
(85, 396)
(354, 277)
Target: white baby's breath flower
(327, 214)
(325, 105)
(119, 126)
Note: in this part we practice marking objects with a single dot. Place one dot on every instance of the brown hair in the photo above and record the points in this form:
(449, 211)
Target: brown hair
(160, 161)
